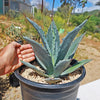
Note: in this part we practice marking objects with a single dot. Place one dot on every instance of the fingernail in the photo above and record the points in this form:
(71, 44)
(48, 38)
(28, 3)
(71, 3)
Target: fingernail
(32, 53)
(22, 56)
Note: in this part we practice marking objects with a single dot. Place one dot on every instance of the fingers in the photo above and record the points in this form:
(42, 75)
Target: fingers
(18, 51)
(29, 59)
(25, 47)
(19, 56)
(27, 51)
(19, 64)
(28, 55)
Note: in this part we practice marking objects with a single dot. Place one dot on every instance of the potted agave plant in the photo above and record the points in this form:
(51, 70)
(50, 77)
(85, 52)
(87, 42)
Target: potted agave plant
(56, 60)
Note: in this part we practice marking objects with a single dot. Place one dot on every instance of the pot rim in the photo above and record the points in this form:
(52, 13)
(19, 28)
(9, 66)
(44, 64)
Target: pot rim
(47, 86)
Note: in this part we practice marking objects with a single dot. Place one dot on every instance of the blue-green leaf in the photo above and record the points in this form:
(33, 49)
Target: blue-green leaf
(68, 40)
(35, 69)
(42, 65)
(52, 80)
(41, 33)
(49, 37)
(60, 67)
(42, 55)
(75, 67)
(73, 47)
(53, 41)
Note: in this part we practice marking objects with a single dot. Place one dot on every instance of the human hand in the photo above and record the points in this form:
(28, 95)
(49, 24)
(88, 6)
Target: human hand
(13, 53)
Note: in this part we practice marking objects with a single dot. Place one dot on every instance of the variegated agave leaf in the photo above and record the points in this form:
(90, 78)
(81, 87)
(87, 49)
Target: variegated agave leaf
(75, 67)
(67, 41)
(35, 69)
(53, 41)
(60, 67)
(41, 33)
(42, 55)
(42, 65)
(73, 47)
(52, 80)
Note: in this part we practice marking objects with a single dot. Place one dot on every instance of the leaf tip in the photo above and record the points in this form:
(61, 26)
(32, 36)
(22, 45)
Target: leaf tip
(21, 61)
(88, 17)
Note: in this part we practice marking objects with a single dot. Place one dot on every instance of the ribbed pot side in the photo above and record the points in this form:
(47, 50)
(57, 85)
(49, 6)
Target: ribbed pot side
(37, 91)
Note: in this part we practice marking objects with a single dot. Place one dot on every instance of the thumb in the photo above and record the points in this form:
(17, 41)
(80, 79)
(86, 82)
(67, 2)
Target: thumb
(16, 45)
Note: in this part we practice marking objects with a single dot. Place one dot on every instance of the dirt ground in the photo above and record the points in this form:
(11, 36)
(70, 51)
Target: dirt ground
(91, 50)
(88, 49)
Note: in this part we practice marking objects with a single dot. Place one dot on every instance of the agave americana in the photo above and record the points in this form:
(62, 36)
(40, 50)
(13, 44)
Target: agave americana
(55, 58)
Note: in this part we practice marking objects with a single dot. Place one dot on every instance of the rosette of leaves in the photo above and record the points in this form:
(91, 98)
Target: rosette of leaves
(53, 57)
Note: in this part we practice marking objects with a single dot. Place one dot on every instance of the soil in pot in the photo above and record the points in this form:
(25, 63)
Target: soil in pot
(30, 74)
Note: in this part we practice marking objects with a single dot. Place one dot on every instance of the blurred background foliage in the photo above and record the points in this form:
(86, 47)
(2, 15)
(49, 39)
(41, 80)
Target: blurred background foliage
(63, 17)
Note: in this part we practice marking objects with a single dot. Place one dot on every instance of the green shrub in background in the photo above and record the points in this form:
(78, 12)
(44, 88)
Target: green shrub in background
(44, 20)
(27, 27)
(97, 30)
(14, 32)
(12, 13)
(46, 23)
(60, 22)
(90, 26)
(96, 35)
(38, 16)
(77, 19)
(35, 10)
(95, 19)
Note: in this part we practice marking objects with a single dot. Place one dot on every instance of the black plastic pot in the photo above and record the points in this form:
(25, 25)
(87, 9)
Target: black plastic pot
(37, 91)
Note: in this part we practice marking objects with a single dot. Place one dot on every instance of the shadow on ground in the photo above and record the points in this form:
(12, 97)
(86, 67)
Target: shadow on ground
(4, 86)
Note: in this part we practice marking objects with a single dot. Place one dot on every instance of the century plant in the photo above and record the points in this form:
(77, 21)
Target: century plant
(53, 57)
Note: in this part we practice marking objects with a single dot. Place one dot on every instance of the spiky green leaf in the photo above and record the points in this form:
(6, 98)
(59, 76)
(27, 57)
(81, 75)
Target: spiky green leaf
(53, 80)
(42, 65)
(60, 67)
(73, 47)
(67, 41)
(41, 34)
(42, 55)
(53, 41)
(75, 67)
(35, 69)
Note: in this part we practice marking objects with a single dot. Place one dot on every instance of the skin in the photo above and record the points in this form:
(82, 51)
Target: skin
(11, 55)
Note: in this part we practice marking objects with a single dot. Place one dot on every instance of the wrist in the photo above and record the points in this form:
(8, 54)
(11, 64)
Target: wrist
(2, 58)
(2, 65)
